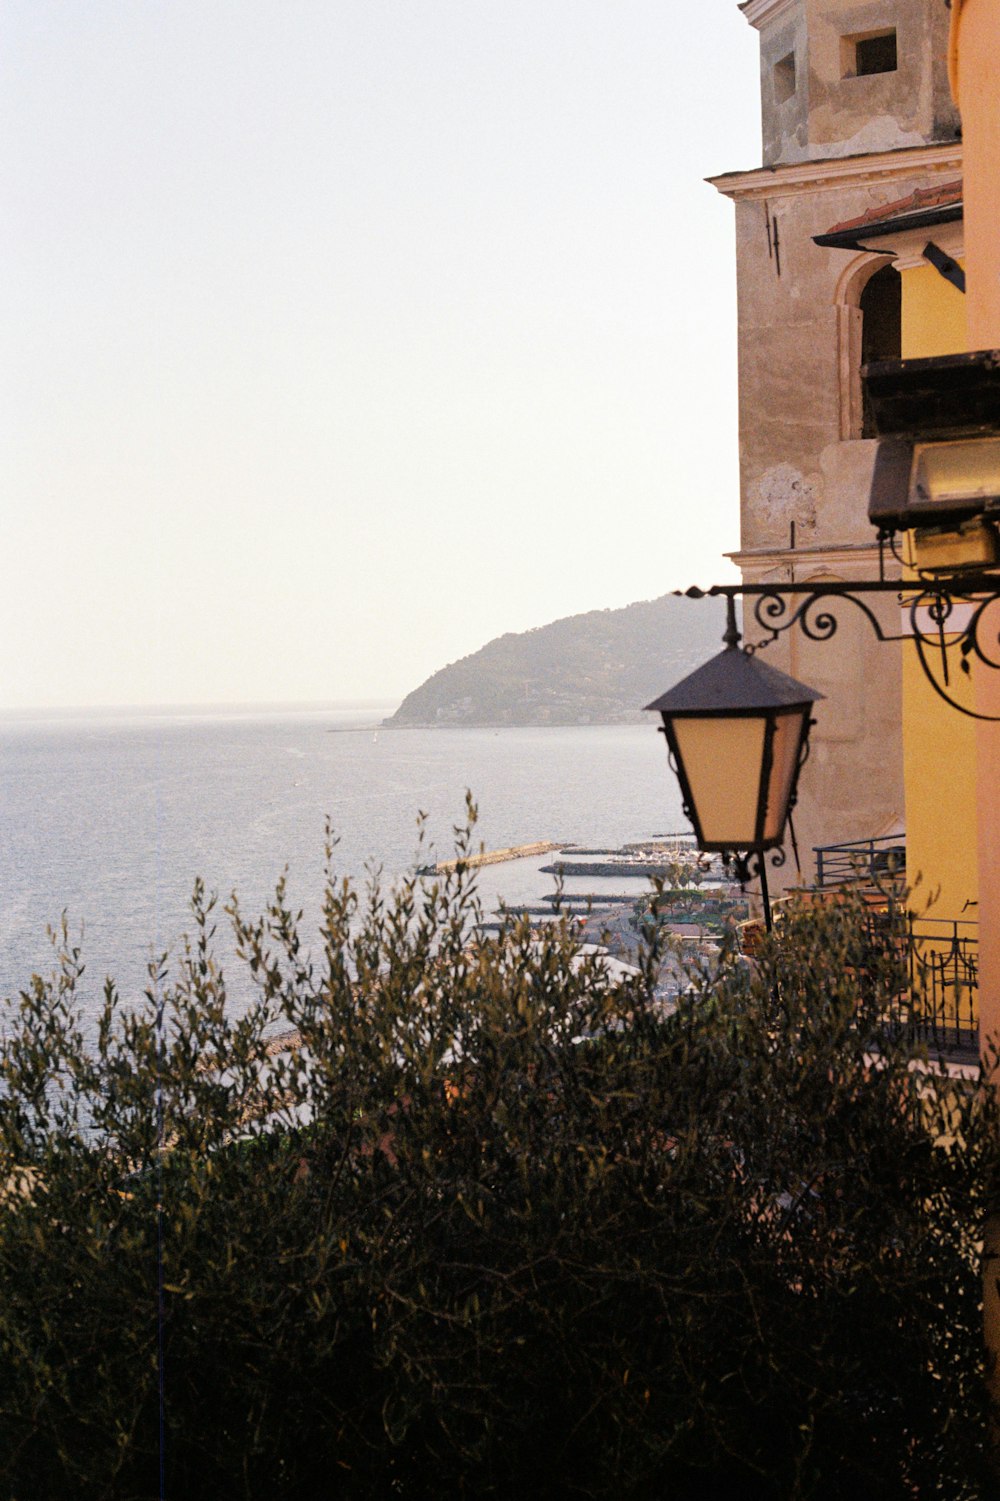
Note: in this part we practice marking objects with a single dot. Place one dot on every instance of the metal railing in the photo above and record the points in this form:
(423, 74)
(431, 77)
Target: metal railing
(942, 957)
(934, 978)
(938, 958)
(873, 861)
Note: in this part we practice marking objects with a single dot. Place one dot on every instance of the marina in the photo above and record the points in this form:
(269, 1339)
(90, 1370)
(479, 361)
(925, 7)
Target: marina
(609, 896)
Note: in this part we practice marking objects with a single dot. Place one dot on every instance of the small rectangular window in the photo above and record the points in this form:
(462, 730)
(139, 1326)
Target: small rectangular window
(871, 52)
(784, 78)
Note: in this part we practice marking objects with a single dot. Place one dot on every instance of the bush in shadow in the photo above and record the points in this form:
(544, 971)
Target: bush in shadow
(490, 1224)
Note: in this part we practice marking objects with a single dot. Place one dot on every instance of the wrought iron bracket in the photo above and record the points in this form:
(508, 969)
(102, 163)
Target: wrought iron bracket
(748, 865)
(946, 615)
(751, 865)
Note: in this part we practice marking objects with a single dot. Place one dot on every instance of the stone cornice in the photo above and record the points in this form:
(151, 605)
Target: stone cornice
(846, 559)
(811, 549)
(760, 12)
(835, 172)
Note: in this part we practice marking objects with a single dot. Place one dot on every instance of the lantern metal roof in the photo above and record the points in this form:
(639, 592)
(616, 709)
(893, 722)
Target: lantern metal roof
(734, 683)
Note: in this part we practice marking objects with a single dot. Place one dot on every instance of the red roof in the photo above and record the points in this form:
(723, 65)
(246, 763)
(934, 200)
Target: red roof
(946, 196)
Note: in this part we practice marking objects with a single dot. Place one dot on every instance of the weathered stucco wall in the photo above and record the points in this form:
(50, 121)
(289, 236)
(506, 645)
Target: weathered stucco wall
(884, 111)
(784, 117)
(832, 111)
(799, 358)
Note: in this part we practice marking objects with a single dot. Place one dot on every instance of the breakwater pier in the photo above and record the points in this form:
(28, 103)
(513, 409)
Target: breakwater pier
(493, 857)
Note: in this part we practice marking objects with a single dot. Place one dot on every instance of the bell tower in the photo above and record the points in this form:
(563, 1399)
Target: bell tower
(856, 114)
(845, 77)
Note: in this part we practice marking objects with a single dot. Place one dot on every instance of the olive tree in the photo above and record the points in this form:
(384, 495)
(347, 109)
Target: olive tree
(442, 1211)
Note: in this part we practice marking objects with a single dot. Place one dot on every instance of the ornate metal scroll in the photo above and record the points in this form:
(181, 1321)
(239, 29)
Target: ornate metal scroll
(751, 865)
(938, 609)
(774, 613)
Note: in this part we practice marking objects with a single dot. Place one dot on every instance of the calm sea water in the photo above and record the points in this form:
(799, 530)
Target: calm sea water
(110, 817)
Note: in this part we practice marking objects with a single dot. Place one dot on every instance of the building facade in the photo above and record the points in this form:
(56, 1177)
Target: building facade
(939, 752)
(856, 112)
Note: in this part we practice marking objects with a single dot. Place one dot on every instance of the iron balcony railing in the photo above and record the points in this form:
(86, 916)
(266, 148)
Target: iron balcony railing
(872, 861)
(936, 966)
(938, 958)
(942, 962)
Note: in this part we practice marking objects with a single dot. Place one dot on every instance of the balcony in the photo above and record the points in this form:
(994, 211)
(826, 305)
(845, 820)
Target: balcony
(937, 1000)
(938, 958)
(876, 863)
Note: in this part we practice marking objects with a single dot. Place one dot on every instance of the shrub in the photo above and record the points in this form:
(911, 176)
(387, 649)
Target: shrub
(496, 1225)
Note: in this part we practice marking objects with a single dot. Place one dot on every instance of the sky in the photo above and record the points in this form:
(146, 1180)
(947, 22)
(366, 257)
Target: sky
(341, 336)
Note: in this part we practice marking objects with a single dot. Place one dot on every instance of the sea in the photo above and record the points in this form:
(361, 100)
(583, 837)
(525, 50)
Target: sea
(107, 817)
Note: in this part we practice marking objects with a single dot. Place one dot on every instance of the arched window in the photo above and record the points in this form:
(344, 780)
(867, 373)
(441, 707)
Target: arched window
(881, 315)
(881, 325)
(869, 302)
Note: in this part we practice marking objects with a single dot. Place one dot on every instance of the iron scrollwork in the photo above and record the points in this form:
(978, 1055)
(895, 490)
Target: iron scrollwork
(946, 619)
(934, 645)
(774, 613)
(748, 865)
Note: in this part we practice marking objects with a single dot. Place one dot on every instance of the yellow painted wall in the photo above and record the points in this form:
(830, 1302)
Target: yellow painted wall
(933, 314)
(938, 743)
(974, 65)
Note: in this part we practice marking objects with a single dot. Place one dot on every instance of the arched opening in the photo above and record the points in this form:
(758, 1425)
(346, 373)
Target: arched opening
(881, 305)
(869, 314)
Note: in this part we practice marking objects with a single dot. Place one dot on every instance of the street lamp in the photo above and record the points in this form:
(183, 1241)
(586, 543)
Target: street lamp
(737, 733)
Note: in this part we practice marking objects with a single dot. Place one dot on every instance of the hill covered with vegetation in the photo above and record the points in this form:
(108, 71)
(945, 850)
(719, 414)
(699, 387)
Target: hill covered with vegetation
(597, 668)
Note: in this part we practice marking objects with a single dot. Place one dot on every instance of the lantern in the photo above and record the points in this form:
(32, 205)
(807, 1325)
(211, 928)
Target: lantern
(738, 732)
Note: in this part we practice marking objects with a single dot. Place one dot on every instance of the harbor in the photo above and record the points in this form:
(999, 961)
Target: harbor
(615, 896)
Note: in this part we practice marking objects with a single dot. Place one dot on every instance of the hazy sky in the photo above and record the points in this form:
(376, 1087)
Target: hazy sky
(340, 336)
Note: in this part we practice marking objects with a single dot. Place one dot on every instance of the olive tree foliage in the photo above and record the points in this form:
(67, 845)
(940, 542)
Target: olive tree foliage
(495, 1225)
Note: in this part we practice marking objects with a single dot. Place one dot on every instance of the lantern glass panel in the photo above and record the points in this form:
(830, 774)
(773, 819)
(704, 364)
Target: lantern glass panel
(722, 762)
(784, 760)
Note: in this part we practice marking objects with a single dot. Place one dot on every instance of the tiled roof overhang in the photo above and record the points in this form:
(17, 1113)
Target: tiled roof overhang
(919, 210)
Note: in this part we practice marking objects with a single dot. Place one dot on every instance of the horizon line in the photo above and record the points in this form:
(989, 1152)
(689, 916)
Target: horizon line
(190, 706)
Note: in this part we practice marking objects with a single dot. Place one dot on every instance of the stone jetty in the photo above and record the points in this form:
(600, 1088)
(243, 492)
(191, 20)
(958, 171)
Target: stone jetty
(493, 857)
